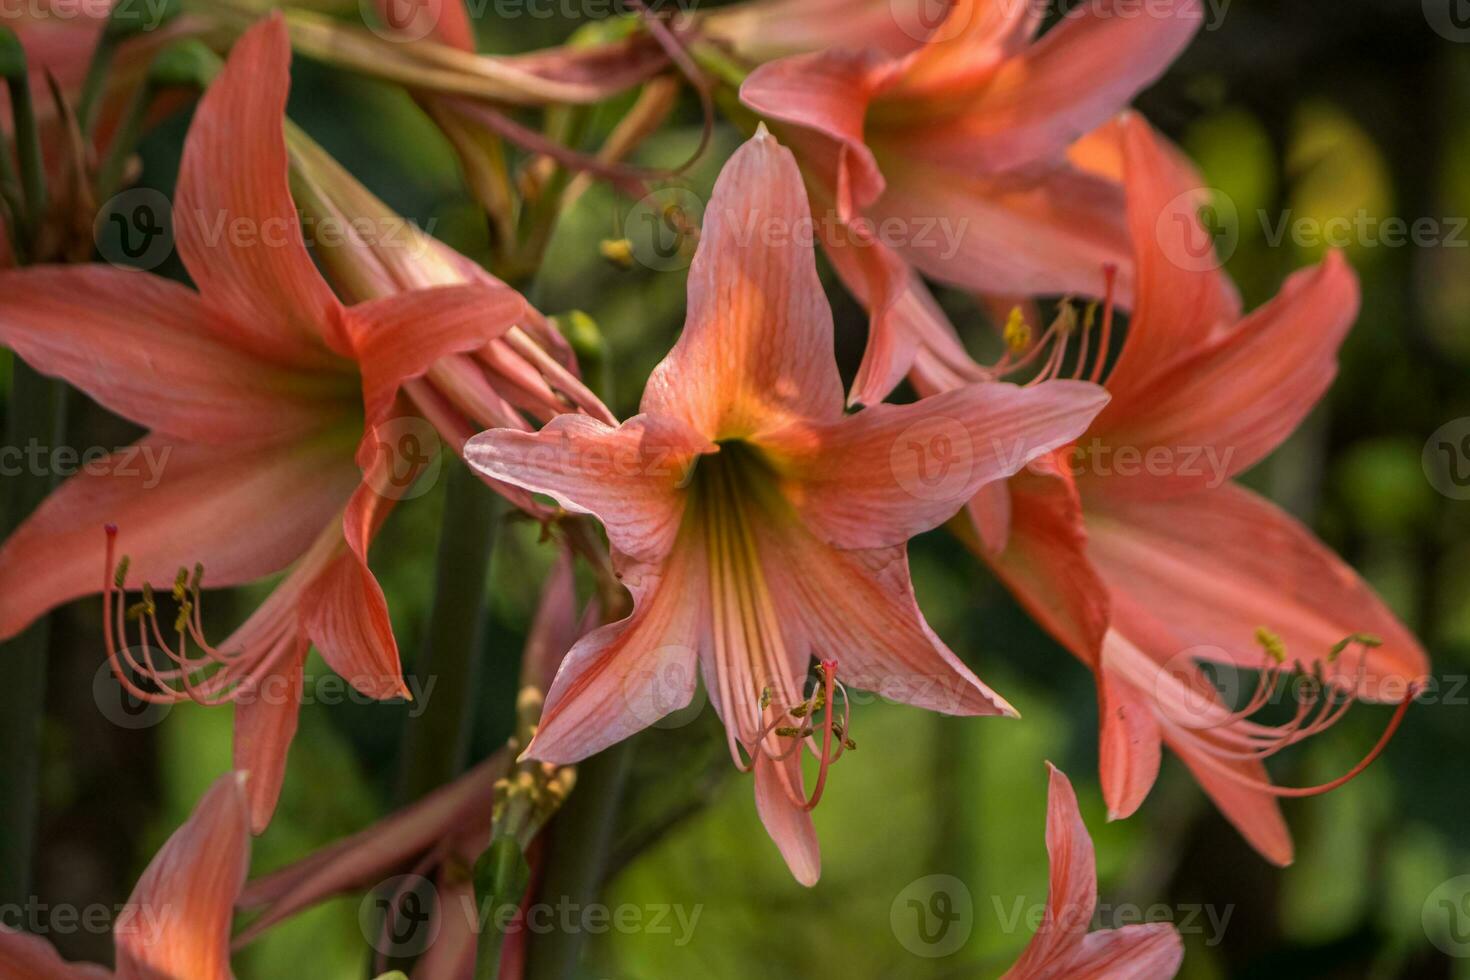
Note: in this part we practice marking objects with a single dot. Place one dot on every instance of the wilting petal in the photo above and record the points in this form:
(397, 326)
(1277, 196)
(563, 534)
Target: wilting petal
(628, 476)
(266, 713)
(368, 856)
(346, 612)
(151, 351)
(621, 678)
(1210, 568)
(858, 608)
(1047, 232)
(757, 345)
(827, 93)
(243, 514)
(789, 825)
(1241, 393)
(1045, 561)
(1080, 73)
(1151, 951)
(33, 958)
(1180, 296)
(188, 894)
(399, 337)
(237, 228)
(881, 476)
(1129, 743)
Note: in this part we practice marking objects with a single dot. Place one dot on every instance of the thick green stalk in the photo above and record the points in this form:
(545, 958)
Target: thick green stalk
(578, 845)
(437, 741)
(36, 417)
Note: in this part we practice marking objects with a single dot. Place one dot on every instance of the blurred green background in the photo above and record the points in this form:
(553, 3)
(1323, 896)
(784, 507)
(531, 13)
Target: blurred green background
(1310, 110)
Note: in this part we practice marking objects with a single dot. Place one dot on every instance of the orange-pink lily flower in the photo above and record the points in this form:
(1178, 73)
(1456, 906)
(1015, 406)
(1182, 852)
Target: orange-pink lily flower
(963, 160)
(177, 921)
(1138, 554)
(264, 394)
(755, 524)
(1062, 948)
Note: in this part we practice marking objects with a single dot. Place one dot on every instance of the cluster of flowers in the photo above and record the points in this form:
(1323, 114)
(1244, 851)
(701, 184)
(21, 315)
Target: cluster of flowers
(758, 516)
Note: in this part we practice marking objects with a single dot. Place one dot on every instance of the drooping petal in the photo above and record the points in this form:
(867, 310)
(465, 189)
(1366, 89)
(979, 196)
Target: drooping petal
(266, 714)
(1072, 80)
(1238, 395)
(623, 677)
(185, 900)
(1051, 231)
(1045, 562)
(399, 337)
(1208, 569)
(1149, 951)
(858, 608)
(153, 352)
(627, 476)
(1129, 743)
(1253, 812)
(243, 514)
(236, 226)
(33, 958)
(789, 825)
(1180, 296)
(346, 612)
(877, 478)
(756, 349)
(1072, 894)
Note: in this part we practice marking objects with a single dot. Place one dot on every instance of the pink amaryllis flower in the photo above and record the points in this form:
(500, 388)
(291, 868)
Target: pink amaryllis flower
(756, 524)
(1136, 551)
(177, 921)
(1062, 948)
(962, 160)
(267, 399)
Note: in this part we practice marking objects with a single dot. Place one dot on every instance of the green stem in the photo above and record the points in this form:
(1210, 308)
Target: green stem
(578, 845)
(27, 145)
(36, 413)
(436, 743)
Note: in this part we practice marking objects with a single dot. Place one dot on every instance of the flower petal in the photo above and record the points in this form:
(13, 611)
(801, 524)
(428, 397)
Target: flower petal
(1239, 394)
(1150, 951)
(1208, 569)
(192, 883)
(151, 351)
(346, 611)
(1180, 296)
(1129, 744)
(623, 677)
(858, 608)
(789, 825)
(757, 344)
(1072, 894)
(243, 514)
(266, 712)
(1072, 80)
(237, 228)
(628, 476)
(28, 957)
(1045, 563)
(1253, 812)
(877, 478)
(399, 337)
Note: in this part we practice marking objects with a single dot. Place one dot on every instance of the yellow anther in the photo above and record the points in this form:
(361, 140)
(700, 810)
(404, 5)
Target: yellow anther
(121, 575)
(1017, 333)
(618, 251)
(1066, 320)
(181, 585)
(1272, 644)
